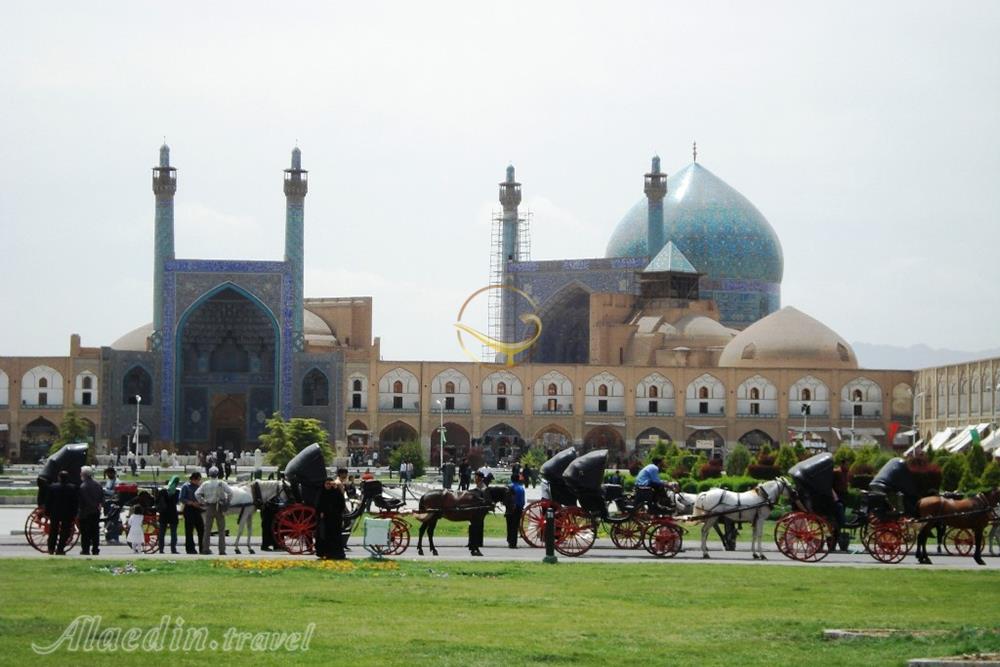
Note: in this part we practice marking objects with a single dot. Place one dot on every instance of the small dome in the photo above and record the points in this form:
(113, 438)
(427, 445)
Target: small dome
(705, 330)
(316, 330)
(788, 339)
(135, 340)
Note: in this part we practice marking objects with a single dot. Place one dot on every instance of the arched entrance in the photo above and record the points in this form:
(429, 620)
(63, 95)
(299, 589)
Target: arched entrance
(504, 442)
(606, 437)
(359, 448)
(754, 440)
(456, 443)
(565, 335)
(126, 441)
(36, 439)
(227, 359)
(646, 440)
(393, 436)
(552, 438)
(707, 441)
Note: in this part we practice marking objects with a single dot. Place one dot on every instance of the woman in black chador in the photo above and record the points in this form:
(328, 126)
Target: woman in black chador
(329, 541)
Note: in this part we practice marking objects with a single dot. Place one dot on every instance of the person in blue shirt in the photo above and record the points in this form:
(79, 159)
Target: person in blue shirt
(514, 513)
(649, 488)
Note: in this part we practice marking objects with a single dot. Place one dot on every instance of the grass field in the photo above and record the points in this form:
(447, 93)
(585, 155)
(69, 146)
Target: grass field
(512, 613)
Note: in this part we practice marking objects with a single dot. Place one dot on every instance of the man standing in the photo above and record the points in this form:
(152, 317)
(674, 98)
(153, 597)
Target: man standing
(192, 515)
(330, 526)
(166, 511)
(91, 499)
(215, 496)
(513, 514)
(464, 475)
(61, 505)
(476, 524)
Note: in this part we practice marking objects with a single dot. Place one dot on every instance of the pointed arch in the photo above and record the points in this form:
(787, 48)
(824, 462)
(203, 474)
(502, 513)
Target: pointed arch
(810, 396)
(42, 386)
(757, 396)
(315, 388)
(502, 391)
(755, 439)
(399, 389)
(605, 437)
(553, 393)
(453, 389)
(565, 319)
(137, 381)
(456, 443)
(654, 394)
(553, 437)
(85, 389)
(604, 393)
(705, 395)
(357, 387)
(861, 397)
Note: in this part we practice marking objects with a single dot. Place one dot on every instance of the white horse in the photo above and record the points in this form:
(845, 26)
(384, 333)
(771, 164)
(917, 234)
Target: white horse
(243, 505)
(684, 502)
(754, 505)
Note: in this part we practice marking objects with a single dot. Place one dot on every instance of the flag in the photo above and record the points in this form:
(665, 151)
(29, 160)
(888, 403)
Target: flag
(837, 431)
(893, 430)
(975, 436)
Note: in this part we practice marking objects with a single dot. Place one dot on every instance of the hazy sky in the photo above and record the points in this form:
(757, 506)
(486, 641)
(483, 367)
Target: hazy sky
(867, 133)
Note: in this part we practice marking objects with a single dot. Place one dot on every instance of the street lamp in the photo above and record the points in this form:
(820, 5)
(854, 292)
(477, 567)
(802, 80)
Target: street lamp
(913, 435)
(854, 413)
(805, 421)
(138, 401)
(441, 438)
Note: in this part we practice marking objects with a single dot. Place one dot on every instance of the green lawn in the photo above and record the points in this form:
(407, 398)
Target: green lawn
(515, 613)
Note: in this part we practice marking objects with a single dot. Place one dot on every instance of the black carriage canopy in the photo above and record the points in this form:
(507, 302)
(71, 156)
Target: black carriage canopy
(306, 473)
(553, 469)
(587, 471)
(69, 458)
(895, 477)
(814, 475)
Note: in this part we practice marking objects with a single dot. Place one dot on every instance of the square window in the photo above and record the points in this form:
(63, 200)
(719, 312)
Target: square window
(602, 405)
(755, 408)
(553, 405)
(356, 401)
(501, 403)
(397, 402)
(85, 398)
(43, 398)
(703, 408)
(654, 406)
(857, 410)
(449, 403)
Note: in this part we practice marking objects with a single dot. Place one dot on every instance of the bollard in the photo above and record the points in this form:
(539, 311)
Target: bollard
(550, 536)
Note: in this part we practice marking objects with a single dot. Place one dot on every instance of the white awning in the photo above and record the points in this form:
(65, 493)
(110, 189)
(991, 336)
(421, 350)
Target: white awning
(992, 441)
(705, 428)
(964, 439)
(812, 429)
(907, 434)
(940, 438)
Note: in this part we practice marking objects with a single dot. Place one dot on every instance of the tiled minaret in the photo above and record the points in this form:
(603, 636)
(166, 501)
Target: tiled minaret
(510, 198)
(164, 187)
(296, 186)
(655, 189)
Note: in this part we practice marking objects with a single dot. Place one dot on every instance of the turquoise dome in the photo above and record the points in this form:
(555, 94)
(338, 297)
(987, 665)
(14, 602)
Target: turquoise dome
(717, 229)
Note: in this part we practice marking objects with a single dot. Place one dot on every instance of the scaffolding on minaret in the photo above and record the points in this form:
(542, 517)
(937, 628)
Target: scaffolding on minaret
(497, 266)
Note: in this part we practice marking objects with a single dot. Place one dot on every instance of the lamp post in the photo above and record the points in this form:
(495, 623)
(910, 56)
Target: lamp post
(854, 413)
(441, 436)
(913, 428)
(138, 402)
(805, 422)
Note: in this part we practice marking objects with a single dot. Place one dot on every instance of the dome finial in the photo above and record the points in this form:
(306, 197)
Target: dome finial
(164, 154)
(510, 173)
(694, 150)
(296, 156)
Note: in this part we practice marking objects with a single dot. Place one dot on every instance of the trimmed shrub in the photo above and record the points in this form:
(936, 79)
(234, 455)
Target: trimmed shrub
(785, 459)
(738, 460)
(952, 472)
(976, 460)
(711, 469)
(991, 475)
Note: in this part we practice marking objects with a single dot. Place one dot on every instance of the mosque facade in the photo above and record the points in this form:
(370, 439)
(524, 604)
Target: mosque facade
(677, 332)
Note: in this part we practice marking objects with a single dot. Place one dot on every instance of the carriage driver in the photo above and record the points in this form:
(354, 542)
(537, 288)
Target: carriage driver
(649, 488)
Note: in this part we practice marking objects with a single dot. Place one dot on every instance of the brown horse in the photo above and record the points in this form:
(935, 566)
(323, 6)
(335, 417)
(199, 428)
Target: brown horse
(972, 513)
(471, 506)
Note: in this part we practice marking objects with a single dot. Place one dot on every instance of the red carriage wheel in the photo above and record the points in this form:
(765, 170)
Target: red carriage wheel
(575, 531)
(802, 536)
(533, 522)
(294, 529)
(664, 539)
(150, 534)
(628, 534)
(888, 542)
(36, 530)
(959, 542)
(399, 537)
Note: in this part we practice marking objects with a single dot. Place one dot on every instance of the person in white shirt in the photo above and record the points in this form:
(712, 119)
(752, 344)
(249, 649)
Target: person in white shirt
(135, 536)
(215, 495)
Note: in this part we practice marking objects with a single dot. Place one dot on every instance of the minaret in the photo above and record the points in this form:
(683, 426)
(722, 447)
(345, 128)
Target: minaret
(656, 190)
(296, 186)
(164, 187)
(510, 198)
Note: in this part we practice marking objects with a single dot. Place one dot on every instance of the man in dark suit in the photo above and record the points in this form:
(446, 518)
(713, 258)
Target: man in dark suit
(61, 505)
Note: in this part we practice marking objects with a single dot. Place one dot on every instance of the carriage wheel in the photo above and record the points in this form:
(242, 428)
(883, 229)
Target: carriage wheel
(399, 538)
(888, 542)
(150, 534)
(533, 522)
(993, 538)
(575, 531)
(294, 529)
(628, 533)
(802, 536)
(959, 542)
(36, 531)
(664, 539)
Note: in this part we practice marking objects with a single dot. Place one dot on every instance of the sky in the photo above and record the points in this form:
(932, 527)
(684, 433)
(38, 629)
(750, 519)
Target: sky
(866, 133)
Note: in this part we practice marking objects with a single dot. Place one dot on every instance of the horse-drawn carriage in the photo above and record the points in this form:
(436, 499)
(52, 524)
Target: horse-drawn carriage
(806, 533)
(295, 524)
(581, 502)
(127, 496)
(70, 458)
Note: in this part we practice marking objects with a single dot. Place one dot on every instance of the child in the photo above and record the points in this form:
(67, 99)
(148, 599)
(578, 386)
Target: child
(135, 536)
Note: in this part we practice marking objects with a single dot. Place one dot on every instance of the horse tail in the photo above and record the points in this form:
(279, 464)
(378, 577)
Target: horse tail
(422, 517)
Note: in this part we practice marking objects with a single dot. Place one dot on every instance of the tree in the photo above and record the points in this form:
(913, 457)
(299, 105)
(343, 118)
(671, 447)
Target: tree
(534, 458)
(991, 475)
(410, 452)
(73, 428)
(844, 457)
(738, 460)
(951, 473)
(976, 458)
(284, 439)
(786, 458)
